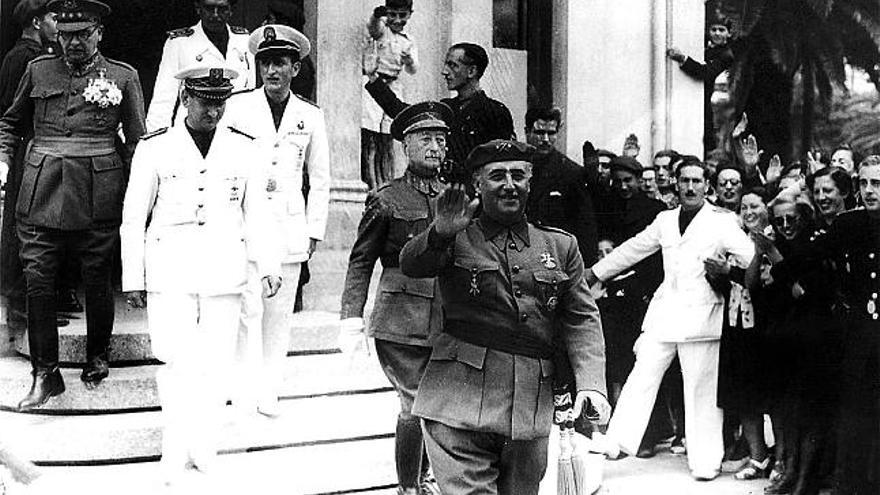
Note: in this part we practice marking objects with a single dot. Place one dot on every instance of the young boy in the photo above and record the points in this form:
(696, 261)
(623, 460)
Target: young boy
(387, 47)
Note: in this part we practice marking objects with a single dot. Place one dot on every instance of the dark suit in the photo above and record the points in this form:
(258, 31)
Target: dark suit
(510, 295)
(718, 59)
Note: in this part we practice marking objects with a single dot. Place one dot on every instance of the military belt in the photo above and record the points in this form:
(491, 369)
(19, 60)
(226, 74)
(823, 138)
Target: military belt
(73, 146)
(507, 340)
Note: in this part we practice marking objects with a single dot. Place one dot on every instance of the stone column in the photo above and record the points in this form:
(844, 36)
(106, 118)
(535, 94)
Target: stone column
(612, 77)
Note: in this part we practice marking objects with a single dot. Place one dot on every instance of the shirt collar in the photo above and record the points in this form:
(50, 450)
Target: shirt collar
(429, 186)
(499, 234)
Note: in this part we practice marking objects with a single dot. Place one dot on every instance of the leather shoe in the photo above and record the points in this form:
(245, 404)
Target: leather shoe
(47, 383)
(96, 370)
(67, 302)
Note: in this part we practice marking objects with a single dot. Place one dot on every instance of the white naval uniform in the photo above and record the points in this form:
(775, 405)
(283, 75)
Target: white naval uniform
(684, 317)
(191, 46)
(191, 257)
(299, 143)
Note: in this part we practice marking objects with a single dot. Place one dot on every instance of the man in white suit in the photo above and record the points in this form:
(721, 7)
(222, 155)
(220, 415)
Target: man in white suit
(683, 318)
(212, 41)
(291, 135)
(193, 215)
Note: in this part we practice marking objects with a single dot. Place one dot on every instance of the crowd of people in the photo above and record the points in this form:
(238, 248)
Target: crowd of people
(691, 296)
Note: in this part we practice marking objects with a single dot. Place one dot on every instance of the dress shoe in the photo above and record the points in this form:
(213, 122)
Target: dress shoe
(47, 383)
(96, 370)
(67, 302)
(704, 475)
(646, 452)
(679, 446)
(783, 485)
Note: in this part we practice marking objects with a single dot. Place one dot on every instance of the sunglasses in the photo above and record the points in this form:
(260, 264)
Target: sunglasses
(785, 220)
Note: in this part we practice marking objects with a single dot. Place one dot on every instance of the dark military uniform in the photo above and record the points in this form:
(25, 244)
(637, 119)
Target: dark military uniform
(406, 315)
(14, 64)
(509, 295)
(853, 242)
(72, 187)
(558, 198)
(478, 119)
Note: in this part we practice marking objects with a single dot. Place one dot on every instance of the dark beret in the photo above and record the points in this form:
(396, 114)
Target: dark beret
(499, 150)
(421, 116)
(626, 164)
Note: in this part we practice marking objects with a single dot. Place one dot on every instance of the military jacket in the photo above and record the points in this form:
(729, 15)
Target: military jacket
(75, 173)
(191, 46)
(852, 242)
(298, 145)
(407, 310)
(190, 222)
(478, 119)
(510, 296)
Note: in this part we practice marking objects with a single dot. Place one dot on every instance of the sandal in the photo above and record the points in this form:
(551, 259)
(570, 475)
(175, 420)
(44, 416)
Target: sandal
(754, 470)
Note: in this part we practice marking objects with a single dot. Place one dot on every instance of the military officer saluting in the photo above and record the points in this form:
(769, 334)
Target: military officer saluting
(192, 218)
(292, 137)
(212, 41)
(407, 315)
(70, 198)
(511, 293)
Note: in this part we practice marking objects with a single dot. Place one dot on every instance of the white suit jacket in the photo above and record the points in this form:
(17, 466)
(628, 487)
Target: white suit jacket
(299, 143)
(190, 223)
(684, 307)
(188, 47)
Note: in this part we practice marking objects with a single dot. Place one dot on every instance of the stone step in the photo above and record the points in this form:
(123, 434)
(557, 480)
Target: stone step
(133, 437)
(363, 466)
(311, 332)
(134, 388)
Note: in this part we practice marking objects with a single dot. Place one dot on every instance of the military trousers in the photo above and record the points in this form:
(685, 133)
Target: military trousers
(42, 253)
(484, 463)
(264, 336)
(194, 335)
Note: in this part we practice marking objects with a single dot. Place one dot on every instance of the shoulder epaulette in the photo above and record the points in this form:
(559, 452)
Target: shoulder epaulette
(233, 129)
(120, 64)
(310, 102)
(180, 33)
(548, 228)
(239, 30)
(41, 58)
(154, 133)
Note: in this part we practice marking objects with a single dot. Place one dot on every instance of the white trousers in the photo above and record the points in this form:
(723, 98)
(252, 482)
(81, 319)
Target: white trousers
(195, 337)
(264, 336)
(703, 418)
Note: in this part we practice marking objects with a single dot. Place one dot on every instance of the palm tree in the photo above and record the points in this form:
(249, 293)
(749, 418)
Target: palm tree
(781, 40)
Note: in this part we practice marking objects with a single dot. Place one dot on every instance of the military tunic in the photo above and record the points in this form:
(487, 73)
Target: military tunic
(72, 186)
(189, 46)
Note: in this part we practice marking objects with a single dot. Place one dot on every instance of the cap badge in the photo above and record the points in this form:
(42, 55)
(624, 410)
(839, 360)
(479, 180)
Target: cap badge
(548, 261)
(269, 34)
(503, 146)
(215, 76)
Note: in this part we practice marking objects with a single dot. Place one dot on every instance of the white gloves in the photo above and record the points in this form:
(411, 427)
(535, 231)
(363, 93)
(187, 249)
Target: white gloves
(352, 336)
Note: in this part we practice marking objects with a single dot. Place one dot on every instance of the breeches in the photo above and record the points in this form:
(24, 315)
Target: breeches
(481, 463)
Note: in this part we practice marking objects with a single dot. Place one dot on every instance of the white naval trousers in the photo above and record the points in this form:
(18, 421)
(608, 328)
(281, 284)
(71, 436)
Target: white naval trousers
(264, 336)
(703, 417)
(194, 336)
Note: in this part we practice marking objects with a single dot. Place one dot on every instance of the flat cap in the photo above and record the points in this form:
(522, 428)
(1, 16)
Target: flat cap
(278, 39)
(210, 83)
(627, 164)
(25, 10)
(421, 116)
(76, 15)
(499, 150)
